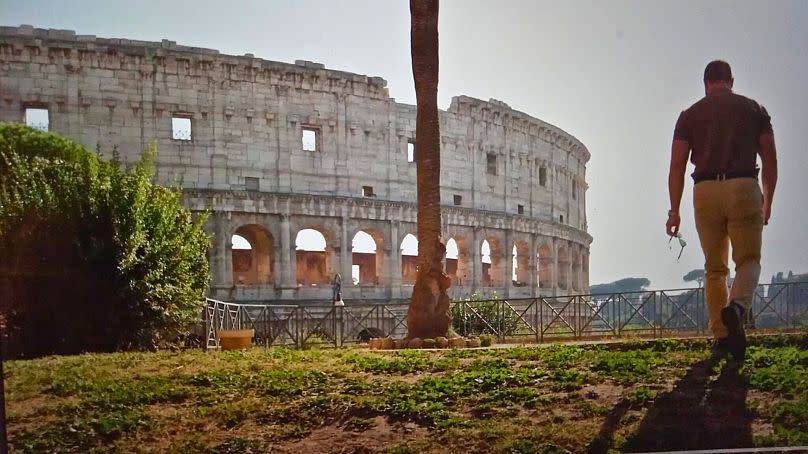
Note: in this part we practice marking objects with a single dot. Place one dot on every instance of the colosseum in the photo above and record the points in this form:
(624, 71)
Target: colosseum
(308, 172)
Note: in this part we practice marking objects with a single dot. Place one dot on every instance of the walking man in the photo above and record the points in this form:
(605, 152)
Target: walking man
(725, 133)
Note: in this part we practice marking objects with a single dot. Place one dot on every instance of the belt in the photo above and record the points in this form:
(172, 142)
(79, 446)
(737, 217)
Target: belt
(721, 176)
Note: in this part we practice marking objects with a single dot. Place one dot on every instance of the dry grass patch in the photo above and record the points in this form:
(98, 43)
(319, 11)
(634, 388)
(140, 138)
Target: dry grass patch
(511, 400)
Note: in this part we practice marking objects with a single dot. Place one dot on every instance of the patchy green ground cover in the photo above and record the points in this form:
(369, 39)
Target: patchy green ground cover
(596, 398)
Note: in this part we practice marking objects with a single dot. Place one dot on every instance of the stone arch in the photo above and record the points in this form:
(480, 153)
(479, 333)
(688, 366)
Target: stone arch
(545, 266)
(367, 257)
(493, 269)
(563, 267)
(576, 269)
(253, 265)
(409, 259)
(521, 264)
(313, 252)
(458, 263)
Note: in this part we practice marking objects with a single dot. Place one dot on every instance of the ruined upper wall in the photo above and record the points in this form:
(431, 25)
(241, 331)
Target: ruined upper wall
(66, 47)
(248, 116)
(501, 114)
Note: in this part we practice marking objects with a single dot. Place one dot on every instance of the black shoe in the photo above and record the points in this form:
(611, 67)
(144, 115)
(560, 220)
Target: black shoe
(735, 342)
(720, 348)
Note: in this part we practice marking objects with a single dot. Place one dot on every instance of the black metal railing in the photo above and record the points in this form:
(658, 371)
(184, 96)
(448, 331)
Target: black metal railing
(652, 314)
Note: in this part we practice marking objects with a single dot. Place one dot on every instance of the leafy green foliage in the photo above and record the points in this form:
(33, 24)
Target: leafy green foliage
(400, 362)
(627, 367)
(97, 258)
(475, 315)
(784, 370)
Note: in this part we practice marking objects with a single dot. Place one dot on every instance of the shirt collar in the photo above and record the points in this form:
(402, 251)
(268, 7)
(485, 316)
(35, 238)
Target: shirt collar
(720, 91)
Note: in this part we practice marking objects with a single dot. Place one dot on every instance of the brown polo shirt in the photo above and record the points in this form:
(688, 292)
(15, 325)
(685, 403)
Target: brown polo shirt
(723, 129)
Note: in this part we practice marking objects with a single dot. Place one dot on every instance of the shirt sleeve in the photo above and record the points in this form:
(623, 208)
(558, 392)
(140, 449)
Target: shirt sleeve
(682, 129)
(765, 122)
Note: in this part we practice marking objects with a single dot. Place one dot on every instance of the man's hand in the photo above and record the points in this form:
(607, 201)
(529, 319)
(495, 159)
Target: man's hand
(767, 211)
(672, 226)
(768, 160)
(680, 150)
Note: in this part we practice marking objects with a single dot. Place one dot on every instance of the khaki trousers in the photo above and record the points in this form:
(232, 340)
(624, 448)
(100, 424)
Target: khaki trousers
(729, 211)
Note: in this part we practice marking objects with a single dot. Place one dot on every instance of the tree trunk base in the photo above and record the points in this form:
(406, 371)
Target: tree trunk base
(429, 314)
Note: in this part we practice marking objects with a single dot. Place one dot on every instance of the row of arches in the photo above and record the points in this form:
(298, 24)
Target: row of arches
(252, 246)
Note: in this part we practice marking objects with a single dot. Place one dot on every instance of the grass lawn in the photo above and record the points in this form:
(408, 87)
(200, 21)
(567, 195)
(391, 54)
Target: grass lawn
(629, 396)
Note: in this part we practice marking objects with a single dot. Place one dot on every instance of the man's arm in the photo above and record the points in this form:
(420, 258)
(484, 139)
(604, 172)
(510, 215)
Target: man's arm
(768, 159)
(680, 151)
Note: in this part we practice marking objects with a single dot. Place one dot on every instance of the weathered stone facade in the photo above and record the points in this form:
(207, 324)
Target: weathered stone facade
(507, 178)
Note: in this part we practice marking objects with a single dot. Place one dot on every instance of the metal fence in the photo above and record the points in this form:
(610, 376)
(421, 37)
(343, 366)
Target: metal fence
(651, 314)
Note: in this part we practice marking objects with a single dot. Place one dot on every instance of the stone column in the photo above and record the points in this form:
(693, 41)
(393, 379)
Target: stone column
(383, 272)
(569, 269)
(532, 264)
(476, 261)
(393, 263)
(555, 267)
(288, 260)
(221, 257)
(345, 251)
(508, 261)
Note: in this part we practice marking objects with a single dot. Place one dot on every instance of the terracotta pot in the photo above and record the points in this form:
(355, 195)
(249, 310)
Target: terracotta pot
(235, 339)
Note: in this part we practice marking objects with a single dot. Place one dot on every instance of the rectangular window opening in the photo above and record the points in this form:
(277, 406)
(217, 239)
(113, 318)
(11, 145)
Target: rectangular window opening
(574, 190)
(251, 183)
(520, 209)
(491, 161)
(458, 199)
(37, 118)
(561, 219)
(543, 176)
(367, 191)
(180, 127)
(410, 152)
(310, 139)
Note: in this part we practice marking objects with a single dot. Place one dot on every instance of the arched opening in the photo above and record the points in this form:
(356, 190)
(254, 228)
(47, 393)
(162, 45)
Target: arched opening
(576, 270)
(458, 266)
(365, 259)
(313, 257)
(252, 255)
(521, 264)
(563, 268)
(545, 265)
(451, 258)
(409, 259)
(485, 253)
(492, 266)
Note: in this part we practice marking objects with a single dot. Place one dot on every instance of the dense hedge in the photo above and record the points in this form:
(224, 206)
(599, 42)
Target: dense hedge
(94, 257)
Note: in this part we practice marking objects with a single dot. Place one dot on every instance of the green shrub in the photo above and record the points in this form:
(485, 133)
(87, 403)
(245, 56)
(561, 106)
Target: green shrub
(486, 340)
(95, 257)
(474, 316)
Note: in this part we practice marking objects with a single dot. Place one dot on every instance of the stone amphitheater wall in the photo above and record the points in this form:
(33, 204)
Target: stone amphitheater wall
(506, 177)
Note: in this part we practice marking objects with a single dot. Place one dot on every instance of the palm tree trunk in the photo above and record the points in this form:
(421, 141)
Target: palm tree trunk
(428, 315)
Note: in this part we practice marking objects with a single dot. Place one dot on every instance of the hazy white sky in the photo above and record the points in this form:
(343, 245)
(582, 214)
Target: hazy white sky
(614, 74)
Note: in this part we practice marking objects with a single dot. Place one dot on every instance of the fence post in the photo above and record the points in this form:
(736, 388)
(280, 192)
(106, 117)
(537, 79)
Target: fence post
(657, 318)
(298, 328)
(536, 321)
(541, 320)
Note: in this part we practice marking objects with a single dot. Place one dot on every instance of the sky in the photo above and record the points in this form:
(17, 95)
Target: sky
(614, 74)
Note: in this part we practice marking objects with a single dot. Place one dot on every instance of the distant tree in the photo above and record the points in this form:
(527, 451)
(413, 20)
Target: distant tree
(626, 285)
(695, 275)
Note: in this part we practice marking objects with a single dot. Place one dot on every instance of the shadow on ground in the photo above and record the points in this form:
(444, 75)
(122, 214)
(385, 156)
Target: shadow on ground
(701, 412)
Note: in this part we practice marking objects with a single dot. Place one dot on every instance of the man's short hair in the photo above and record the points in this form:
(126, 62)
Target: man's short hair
(717, 70)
